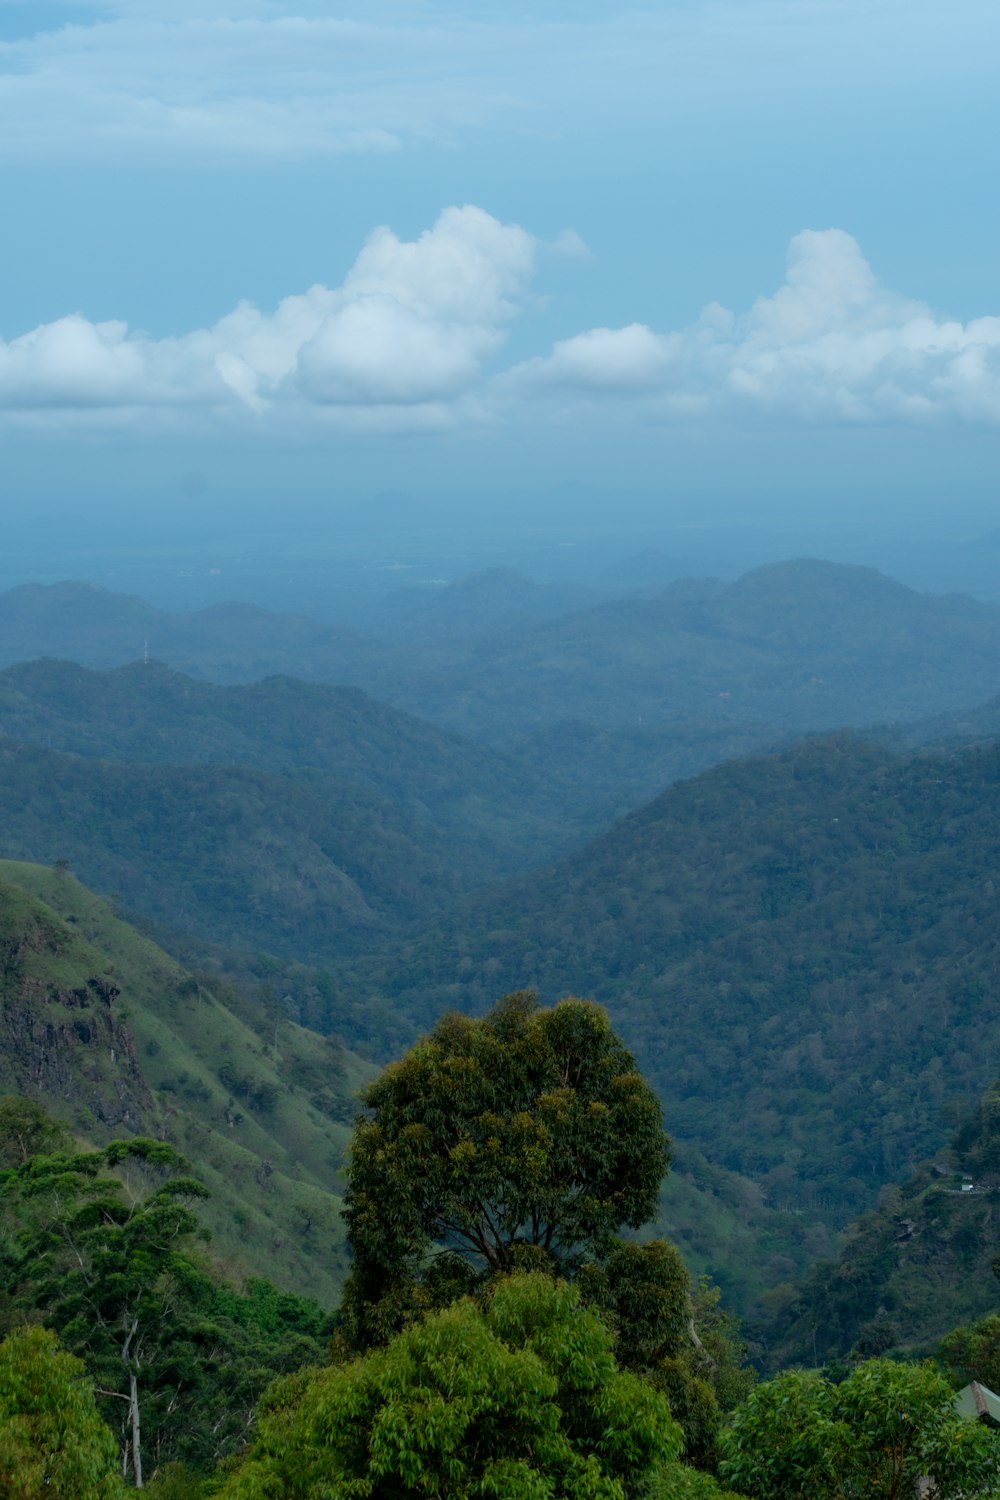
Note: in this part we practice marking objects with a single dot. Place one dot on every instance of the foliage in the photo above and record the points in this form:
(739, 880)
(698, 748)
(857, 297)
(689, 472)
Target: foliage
(798, 949)
(872, 1436)
(681, 1345)
(525, 1137)
(678, 1481)
(27, 1130)
(972, 1352)
(53, 1441)
(911, 1269)
(521, 1402)
(721, 1347)
(106, 1030)
(110, 1261)
(787, 1441)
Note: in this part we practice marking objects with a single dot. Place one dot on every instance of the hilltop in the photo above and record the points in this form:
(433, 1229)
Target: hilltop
(230, 642)
(799, 645)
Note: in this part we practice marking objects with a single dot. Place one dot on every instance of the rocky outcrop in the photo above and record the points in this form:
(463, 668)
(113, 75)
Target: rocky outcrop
(68, 1048)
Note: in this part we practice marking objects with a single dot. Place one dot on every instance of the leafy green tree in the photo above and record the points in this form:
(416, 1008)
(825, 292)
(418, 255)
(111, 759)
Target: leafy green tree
(905, 1425)
(53, 1441)
(111, 1259)
(645, 1292)
(972, 1352)
(27, 1130)
(677, 1481)
(870, 1438)
(787, 1442)
(96, 1254)
(526, 1137)
(520, 1401)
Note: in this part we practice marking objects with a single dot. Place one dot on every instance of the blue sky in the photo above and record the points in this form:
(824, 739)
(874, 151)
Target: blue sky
(735, 254)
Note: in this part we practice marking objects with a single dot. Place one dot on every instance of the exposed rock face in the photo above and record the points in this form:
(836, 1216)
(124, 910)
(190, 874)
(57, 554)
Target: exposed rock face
(67, 1045)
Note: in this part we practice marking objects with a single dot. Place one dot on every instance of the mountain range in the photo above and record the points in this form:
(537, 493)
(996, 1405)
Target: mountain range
(796, 645)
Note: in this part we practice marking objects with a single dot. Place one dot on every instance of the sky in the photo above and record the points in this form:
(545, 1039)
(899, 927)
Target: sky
(725, 260)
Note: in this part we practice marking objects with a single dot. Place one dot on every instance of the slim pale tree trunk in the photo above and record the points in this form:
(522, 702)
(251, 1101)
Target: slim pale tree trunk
(133, 1405)
(133, 1401)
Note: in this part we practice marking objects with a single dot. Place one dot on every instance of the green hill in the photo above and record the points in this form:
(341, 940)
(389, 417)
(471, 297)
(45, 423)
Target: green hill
(299, 864)
(496, 815)
(492, 602)
(225, 642)
(115, 1038)
(799, 949)
(798, 645)
(912, 1269)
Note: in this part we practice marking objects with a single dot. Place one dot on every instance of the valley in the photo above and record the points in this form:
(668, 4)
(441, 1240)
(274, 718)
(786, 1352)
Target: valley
(795, 937)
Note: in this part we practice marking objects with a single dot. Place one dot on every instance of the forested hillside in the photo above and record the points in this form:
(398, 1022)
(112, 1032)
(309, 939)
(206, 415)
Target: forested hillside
(801, 949)
(226, 642)
(803, 645)
(913, 1269)
(497, 816)
(116, 1039)
(797, 945)
(300, 865)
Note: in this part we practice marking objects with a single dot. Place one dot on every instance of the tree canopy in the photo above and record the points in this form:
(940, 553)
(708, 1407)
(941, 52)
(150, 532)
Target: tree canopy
(870, 1438)
(522, 1400)
(52, 1438)
(103, 1246)
(528, 1134)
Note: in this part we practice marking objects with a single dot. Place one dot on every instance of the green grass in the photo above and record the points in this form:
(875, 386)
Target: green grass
(260, 1105)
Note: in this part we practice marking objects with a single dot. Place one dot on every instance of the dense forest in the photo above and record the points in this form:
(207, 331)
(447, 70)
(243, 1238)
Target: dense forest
(497, 1335)
(226, 903)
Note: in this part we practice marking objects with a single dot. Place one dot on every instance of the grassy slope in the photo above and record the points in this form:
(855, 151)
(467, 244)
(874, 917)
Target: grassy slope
(268, 1137)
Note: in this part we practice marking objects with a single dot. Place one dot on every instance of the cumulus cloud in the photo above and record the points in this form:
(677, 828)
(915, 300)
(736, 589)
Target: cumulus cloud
(415, 321)
(412, 335)
(412, 324)
(830, 343)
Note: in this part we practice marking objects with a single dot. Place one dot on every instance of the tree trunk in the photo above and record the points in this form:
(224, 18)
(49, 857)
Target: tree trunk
(133, 1401)
(133, 1405)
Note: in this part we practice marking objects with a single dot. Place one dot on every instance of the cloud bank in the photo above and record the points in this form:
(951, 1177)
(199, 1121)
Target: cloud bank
(414, 334)
(411, 326)
(830, 344)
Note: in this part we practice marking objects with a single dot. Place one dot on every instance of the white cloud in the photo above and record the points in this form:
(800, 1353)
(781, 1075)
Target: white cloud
(412, 324)
(831, 343)
(408, 338)
(607, 359)
(74, 363)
